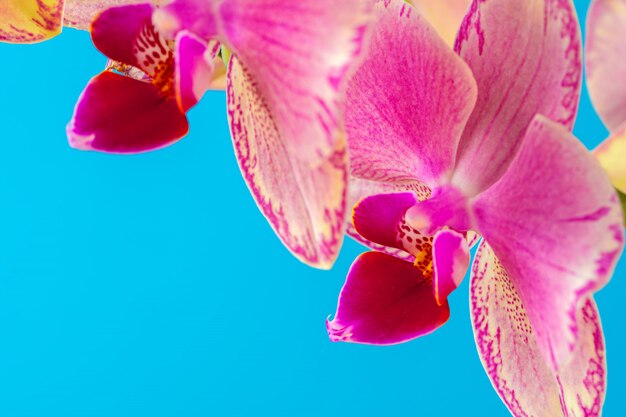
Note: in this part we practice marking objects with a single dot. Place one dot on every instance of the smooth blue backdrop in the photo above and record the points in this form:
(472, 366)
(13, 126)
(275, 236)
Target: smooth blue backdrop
(150, 285)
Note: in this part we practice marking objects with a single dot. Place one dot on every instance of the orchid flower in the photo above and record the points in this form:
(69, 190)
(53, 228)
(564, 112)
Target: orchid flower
(482, 141)
(29, 21)
(139, 102)
(284, 93)
(444, 15)
(606, 65)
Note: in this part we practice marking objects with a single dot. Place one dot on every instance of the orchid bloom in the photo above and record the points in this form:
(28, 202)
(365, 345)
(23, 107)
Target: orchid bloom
(482, 140)
(284, 95)
(29, 21)
(139, 102)
(606, 64)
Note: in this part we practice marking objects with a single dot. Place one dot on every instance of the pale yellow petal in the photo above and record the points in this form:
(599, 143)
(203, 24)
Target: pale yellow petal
(30, 21)
(612, 156)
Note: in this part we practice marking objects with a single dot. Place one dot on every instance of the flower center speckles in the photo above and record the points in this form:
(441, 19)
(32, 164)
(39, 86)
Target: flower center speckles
(155, 57)
(418, 245)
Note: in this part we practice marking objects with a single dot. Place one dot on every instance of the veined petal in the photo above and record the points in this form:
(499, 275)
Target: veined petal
(556, 225)
(194, 68)
(298, 52)
(508, 348)
(80, 13)
(445, 15)
(359, 189)
(605, 60)
(526, 57)
(385, 301)
(119, 114)
(126, 34)
(612, 157)
(405, 111)
(29, 21)
(305, 205)
(451, 258)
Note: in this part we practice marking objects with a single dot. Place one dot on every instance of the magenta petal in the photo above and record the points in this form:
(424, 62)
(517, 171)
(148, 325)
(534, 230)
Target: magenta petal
(556, 225)
(451, 258)
(360, 189)
(507, 344)
(606, 60)
(405, 111)
(305, 205)
(385, 301)
(194, 70)
(119, 114)
(526, 57)
(379, 217)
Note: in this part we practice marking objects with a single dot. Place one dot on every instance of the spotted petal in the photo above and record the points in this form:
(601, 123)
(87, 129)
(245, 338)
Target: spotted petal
(507, 343)
(605, 60)
(29, 21)
(445, 15)
(405, 111)
(80, 13)
(526, 57)
(306, 206)
(385, 301)
(556, 225)
(612, 157)
(297, 52)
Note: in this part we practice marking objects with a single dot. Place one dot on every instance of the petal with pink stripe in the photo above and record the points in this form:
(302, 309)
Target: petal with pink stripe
(526, 57)
(606, 60)
(558, 241)
(29, 21)
(305, 205)
(508, 348)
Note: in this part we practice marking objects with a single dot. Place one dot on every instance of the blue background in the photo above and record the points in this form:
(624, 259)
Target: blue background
(150, 285)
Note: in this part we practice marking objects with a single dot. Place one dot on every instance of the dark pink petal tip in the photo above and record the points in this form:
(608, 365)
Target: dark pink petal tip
(118, 114)
(385, 301)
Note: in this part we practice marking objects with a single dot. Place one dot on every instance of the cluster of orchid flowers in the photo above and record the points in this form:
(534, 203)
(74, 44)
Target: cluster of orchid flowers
(439, 123)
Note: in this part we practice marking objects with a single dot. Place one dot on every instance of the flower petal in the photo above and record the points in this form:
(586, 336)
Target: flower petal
(298, 52)
(526, 57)
(445, 16)
(556, 224)
(506, 342)
(194, 68)
(29, 21)
(451, 258)
(119, 114)
(405, 112)
(385, 301)
(605, 60)
(126, 34)
(306, 206)
(80, 13)
(612, 157)
(359, 189)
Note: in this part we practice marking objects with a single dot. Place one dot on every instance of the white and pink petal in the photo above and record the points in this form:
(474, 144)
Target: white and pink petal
(507, 344)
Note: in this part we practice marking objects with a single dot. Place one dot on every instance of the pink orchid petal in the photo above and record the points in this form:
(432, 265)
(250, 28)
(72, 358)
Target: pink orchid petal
(445, 15)
(126, 34)
(513, 360)
(526, 57)
(558, 240)
(380, 218)
(29, 21)
(612, 157)
(605, 60)
(298, 52)
(451, 258)
(118, 114)
(359, 189)
(194, 69)
(80, 13)
(405, 112)
(385, 301)
(306, 206)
